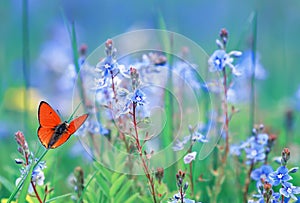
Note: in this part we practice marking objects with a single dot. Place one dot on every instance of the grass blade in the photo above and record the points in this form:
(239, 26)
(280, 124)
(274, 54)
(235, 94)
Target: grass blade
(58, 197)
(6, 184)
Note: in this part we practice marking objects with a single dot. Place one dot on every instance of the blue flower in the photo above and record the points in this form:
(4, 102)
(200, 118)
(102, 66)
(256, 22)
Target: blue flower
(262, 139)
(235, 150)
(255, 153)
(37, 176)
(107, 69)
(260, 196)
(281, 175)
(138, 97)
(246, 66)
(180, 144)
(198, 135)
(289, 190)
(220, 59)
(262, 173)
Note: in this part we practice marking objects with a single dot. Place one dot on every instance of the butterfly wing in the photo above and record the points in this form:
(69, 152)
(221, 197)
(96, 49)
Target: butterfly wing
(48, 116)
(45, 135)
(73, 126)
(48, 120)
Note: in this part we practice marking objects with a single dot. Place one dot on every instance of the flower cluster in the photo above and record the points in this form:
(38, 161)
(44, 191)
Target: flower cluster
(267, 179)
(197, 133)
(37, 176)
(220, 59)
(256, 147)
(182, 188)
(108, 68)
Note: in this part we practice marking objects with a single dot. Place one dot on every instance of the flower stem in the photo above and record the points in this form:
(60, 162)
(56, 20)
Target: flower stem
(35, 191)
(247, 183)
(181, 195)
(191, 170)
(225, 106)
(113, 85)
(191, 179)
(25, 58)
(253, 63)
(221, 168)
(144, 164)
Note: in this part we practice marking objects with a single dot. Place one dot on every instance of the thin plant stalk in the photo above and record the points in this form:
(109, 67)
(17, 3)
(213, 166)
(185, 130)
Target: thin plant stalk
(226, 127)
(26, 58)
(139, 148)
(253, 63)
(36, 193)
(247, 183)
(18, 188)
(191, 169)
(181, 194)
(221, 168)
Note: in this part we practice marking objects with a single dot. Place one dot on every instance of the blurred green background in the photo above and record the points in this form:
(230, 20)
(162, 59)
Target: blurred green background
(278, 41)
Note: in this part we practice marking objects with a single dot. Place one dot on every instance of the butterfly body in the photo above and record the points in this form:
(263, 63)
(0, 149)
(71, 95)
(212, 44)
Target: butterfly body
(52, 131)
(58, 131)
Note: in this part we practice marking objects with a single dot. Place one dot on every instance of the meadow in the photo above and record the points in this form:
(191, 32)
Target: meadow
(158, 107)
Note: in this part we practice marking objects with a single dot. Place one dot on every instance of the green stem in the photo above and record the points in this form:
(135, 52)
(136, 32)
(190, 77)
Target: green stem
(12, 196)
(191, 168)
(26, 56)
(253, 63)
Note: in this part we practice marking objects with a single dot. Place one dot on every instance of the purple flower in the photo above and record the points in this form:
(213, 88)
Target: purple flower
(289, 190)
(281, 175)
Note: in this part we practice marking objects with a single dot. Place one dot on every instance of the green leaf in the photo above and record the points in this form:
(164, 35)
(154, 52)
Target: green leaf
(59, 197)
(124, 191)
(104, 171)
(167, 132)
(117, 185)
(115, 176)
(103, 185)
(87, 185)
(24, 190)
(133, 198)
(24, 179)
(6, 184)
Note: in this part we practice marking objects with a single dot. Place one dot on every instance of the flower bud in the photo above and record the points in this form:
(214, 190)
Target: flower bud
(159, 174)
(285, 155)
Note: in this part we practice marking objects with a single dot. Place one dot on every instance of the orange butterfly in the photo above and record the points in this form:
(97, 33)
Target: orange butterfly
(52, 131)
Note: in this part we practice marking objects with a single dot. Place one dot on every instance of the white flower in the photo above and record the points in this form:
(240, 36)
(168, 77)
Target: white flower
(189, 157)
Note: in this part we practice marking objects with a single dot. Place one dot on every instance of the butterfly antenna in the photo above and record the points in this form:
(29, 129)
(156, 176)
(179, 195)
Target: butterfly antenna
(71, 117)
(60, 115)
